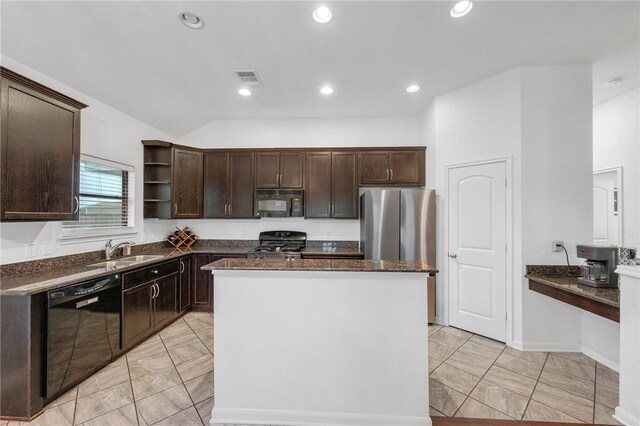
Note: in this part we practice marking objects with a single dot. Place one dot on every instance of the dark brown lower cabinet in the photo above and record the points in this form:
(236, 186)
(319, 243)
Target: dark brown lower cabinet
(137, 313)
(22, 355)
(165, 306)
(202, 284)
(149, 304)
(185, 283)
(203, 281)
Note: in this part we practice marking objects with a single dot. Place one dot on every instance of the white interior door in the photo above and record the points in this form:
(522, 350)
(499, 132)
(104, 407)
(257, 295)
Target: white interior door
(606, 215)
(477, 249)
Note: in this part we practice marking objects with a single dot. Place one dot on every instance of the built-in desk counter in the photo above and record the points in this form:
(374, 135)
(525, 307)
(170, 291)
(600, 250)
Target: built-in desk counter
(561, 283)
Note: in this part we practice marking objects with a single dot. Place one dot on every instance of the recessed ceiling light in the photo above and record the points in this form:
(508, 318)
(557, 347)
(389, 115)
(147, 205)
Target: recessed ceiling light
(322, 14)
(413, 88)
(245, 92)
(191, 20)
(326, 90)
(461, 8)
(613, 82)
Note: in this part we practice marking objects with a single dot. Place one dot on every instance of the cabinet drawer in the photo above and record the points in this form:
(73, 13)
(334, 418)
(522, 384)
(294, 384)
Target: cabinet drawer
(131, 279)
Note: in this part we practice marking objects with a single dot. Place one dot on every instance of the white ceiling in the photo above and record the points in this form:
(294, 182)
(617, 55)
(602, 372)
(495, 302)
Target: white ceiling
(137, 57)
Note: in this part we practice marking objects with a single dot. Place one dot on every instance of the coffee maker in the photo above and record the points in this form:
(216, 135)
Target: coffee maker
(598, 269)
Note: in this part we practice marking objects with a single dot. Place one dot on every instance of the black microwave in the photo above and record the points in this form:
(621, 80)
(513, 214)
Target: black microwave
(279, 203)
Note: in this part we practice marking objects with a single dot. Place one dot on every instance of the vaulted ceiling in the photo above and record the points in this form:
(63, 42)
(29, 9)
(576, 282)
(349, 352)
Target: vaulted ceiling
(137, 56)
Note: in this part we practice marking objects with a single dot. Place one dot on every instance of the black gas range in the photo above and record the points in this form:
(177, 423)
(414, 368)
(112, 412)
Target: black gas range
(279, 245)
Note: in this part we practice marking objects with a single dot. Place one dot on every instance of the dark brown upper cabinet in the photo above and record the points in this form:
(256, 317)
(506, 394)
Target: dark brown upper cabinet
(40, 151)
(187, 183)
(228, 184)
(331, 186)
(397, 167)
(172, 181)
(279, 169)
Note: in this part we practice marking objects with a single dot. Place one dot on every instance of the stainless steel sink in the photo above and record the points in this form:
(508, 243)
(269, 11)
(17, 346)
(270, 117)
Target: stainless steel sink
(111, 264)
(126, 261)
(142, 258)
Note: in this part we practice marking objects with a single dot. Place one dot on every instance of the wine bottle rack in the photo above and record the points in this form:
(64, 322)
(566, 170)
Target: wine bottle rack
(182, 240)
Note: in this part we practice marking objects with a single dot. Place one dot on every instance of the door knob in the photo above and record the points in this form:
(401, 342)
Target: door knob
(453, 255)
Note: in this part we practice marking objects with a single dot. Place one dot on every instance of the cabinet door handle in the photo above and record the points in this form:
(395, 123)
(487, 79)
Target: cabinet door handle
(153, 290)
(75, 197)
(391, 174)
(175, 209)
(230, 209)
(387, 174)
(181, 267)
(157, 290)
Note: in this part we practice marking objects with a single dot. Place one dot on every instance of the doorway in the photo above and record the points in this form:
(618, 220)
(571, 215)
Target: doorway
(477, 248)
(607, 207)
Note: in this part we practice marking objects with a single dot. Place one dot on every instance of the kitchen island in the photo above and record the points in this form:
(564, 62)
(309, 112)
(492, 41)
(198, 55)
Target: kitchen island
(320, 342)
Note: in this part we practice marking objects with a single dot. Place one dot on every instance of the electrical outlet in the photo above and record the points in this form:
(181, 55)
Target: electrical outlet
(556, 245)
(47, 250)
(30, 250)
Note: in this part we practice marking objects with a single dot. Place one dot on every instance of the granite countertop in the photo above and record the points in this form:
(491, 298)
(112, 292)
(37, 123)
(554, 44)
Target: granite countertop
(566, 279)
(342, 265)
(332, 251)
(52, 273)
(39, 282)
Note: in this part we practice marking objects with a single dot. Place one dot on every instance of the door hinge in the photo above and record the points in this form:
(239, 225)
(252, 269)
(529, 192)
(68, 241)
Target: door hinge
(505, 316)
(506, 250)
(505, 182)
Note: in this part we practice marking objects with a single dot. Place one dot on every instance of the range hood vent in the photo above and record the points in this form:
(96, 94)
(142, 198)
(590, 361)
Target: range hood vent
(249, 78)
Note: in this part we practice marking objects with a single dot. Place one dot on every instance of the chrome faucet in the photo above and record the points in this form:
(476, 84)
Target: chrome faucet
(108, 250)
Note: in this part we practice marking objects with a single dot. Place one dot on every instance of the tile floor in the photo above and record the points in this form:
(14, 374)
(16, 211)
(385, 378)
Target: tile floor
(168, 380)
(472, 376)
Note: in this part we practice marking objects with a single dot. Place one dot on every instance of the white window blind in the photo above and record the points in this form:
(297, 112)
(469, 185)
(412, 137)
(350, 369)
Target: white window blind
(106, 202)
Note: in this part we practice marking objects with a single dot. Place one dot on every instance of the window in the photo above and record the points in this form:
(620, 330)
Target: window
(105, 198)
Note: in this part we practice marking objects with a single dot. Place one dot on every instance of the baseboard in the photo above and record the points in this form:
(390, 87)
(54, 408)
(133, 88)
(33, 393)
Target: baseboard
(625, 418)
(440, 321)
(601, 359)
(546, 346)
(565, 347)
(281, 417)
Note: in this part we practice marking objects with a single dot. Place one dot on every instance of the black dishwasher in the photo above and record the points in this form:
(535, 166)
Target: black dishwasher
(83, 331)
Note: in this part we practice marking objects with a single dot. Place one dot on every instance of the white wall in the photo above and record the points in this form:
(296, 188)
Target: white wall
(313, 132)
(106, 133)
(303, 133)
(616, 142)
(476, 122)
(539, 118)
(556, 191)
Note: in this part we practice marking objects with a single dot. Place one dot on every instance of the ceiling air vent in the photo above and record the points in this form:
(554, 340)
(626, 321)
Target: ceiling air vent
(249, 78)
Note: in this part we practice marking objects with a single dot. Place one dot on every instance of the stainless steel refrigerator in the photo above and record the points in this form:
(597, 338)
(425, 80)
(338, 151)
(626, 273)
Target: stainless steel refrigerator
(400, 224)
